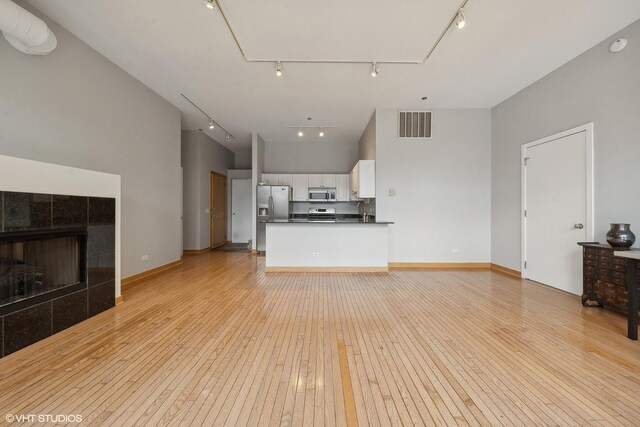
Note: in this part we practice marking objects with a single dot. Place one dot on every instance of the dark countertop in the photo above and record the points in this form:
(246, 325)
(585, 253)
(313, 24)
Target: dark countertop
(337, 222)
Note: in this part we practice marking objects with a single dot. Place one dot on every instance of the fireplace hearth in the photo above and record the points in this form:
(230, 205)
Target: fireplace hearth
(57, 264)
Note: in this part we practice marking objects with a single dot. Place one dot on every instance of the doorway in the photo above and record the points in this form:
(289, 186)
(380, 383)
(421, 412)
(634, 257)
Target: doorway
(241, 210)
(218, 210)
(557, 207)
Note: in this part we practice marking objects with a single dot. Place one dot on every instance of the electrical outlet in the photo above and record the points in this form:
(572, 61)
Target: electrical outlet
(455, 251)
(316, 254)
(145, 257)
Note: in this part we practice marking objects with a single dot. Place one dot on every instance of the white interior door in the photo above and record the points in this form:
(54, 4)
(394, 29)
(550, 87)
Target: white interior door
(556, 209)
(240, 210)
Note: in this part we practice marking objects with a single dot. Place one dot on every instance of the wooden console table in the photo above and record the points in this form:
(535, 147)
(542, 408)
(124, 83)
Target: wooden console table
(610, 278)
(633, 264)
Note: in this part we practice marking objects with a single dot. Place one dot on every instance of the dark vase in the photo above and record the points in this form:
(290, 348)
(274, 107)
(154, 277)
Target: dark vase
(620, 236)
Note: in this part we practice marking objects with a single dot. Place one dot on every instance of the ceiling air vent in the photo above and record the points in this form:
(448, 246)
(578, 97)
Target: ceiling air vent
(414, 124)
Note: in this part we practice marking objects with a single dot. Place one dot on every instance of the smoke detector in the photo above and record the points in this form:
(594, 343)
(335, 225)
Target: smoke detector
(618, 45)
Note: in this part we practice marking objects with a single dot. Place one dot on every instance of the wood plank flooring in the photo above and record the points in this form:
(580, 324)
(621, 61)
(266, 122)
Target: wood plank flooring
(219, 342)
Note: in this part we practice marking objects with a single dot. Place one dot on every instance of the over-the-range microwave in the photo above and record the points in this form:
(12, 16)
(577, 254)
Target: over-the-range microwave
(322, 194)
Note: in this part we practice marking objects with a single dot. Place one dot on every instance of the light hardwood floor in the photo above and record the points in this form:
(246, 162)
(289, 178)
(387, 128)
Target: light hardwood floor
(216, 341)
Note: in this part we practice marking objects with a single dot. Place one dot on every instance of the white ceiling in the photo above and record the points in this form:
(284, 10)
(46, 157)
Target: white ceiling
(181, 47)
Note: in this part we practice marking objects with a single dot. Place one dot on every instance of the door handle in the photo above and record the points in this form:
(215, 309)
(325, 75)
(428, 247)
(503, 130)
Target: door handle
(578, 226)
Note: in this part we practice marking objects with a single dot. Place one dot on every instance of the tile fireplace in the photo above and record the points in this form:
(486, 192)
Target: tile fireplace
(57, 264)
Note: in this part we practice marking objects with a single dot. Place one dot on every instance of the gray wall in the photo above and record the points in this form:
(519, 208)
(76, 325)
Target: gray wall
(442, 185)
(76, 108)
(201, 155)
(367, 143)
(310, 156)
(257, 167)
(598, 87)
(243, 160)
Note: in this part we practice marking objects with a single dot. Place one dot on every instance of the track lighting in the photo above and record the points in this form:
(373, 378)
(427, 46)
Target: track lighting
(278, 69)
(460, 21)
(374, 70)
(211, 124)
(321, 133)
(228, 138)
(210, 4)
(300, 133)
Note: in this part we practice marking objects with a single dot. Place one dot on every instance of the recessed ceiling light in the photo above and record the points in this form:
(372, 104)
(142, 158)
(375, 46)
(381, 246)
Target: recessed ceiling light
(321, 133)
(278, 69)
(374, 70)
(210, 4)
(460, 21)
(300, 132)
(618, 45)
(211, 124)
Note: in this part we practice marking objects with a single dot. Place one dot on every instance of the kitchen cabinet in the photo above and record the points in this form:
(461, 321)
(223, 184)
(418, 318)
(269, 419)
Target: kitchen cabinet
(315, 180)
(270, 178)
(329, 180)
(285, 179)
(363, 180)
(343, 192)
(300, 184)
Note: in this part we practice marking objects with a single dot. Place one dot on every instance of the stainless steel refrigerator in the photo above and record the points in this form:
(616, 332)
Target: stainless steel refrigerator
(274, 203)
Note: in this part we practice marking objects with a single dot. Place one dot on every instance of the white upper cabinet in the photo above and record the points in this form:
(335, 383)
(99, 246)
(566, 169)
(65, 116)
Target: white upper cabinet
(343, 192)
(329, 180)
(270, 178)
(300, 184)
(315, 180)
(285, 179)
(363, 180)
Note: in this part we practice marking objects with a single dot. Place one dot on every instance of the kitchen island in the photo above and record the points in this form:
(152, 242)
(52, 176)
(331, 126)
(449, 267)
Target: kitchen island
(300, 245)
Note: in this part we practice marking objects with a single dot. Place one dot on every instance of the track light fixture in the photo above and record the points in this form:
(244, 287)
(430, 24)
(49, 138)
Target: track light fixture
(320, 129)
(228, 138)
(211, 124)
(374, 70)
(300, 132)
(278, 69)
(321, 133)
(210, 4)
(460, 21)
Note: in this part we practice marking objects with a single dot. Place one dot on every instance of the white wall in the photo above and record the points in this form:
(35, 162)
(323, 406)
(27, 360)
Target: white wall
(306, 156)
(367, 143)
(75, 108)
(443, 187)
(257, 167)
(598, 87)
(201, 155)
(28, 176)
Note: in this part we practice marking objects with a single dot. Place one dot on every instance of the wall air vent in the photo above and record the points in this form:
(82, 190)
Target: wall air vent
(414, 124)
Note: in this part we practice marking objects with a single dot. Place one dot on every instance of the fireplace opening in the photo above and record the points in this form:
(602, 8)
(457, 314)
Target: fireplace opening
(33, 264)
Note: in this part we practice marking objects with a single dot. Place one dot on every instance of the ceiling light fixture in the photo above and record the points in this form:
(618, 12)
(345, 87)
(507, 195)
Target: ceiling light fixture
(460, 21)
(278, 69)
(210, 4)
(374, 70)
(321, 133)
(212, 123)
(300, 132)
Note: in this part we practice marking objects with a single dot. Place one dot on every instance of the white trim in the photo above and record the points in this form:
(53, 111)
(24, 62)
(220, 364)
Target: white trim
(589, 187)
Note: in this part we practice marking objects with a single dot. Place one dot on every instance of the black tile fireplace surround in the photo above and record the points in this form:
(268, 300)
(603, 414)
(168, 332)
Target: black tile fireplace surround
(57, 264)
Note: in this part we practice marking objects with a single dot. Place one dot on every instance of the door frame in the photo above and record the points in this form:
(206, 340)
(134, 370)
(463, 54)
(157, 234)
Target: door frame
(211, 197)
(589, 187)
